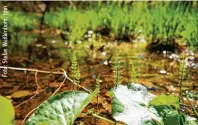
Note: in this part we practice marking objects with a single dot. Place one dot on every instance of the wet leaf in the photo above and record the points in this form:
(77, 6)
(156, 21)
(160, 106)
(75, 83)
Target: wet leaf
(62, 108)
(6, 112)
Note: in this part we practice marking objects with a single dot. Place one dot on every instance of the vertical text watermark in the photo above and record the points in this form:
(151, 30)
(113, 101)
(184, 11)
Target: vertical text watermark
(4, 39)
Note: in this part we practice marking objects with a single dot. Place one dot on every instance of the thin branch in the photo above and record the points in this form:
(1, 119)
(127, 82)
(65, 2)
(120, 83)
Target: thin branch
(47, 72)
(103, 118)
(26, 100)
(60, 84)
(36, 94)
(33, 70)
(78, 85)
(23, 122)
(38, 106)
(36, 80)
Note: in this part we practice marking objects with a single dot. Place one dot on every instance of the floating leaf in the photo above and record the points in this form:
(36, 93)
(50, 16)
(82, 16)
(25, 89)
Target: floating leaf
(165, 100)
(6, 112)
(62, 108)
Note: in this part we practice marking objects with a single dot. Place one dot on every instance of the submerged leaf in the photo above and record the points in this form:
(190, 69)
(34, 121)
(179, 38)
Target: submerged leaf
(6, 112)
(170, 100)
(61, 109)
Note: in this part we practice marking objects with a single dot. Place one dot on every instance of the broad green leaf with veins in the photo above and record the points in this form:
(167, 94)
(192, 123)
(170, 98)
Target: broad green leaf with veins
(6, 112)
(61, 109)
(117, 106)
(170, 116)
(165, 100)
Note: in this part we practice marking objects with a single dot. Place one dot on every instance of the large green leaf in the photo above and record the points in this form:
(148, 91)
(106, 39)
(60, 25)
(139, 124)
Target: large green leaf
(172, 117)
(61, 109)
(130, 105)
(6, 112)
(165, 100)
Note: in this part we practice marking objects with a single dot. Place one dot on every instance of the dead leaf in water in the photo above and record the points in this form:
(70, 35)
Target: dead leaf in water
(172, 88)
(21, 94)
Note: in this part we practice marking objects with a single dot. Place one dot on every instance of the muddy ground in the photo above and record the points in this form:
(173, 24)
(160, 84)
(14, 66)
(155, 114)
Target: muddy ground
(20, 86)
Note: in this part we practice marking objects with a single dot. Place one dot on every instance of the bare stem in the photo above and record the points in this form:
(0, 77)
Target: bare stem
(59, 87)
(77, 84)
(23, 122)
(36, 80)
(26, 100)
(47, 72)
(33, 70)
(103, 118)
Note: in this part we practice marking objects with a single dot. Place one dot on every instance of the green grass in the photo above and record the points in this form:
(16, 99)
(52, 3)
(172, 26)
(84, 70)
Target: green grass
(20, 21)
(156, 20)
(21, 43)
(191, 30)
(17, 22)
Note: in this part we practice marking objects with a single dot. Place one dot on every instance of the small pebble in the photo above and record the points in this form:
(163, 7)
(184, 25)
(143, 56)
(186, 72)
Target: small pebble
(104, 53)
(105, 63)
(53, 41)
(90, 39)
(163, 71)
(90, 32)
